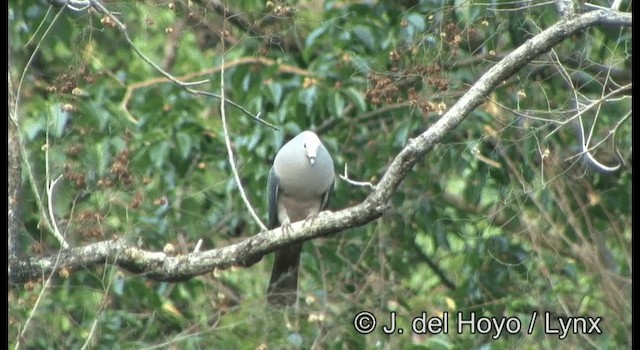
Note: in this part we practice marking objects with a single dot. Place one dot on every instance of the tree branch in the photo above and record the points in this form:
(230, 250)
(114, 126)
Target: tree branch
(532, 48)
(14, 179)
(159, 266)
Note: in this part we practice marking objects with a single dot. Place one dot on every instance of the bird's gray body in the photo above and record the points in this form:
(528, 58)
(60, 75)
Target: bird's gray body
(300, 185)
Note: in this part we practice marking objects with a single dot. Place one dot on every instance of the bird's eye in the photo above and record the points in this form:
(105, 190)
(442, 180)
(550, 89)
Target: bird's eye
(305, 145)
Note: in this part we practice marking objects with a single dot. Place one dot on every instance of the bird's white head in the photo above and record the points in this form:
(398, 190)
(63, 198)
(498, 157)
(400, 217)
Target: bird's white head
(311, 145)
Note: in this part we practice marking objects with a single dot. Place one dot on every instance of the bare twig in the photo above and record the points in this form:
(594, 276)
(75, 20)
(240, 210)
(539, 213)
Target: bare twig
(14, 119)
(593, 7)
(345, 177)
(104, 302)
(45, 286)
(14, 179)
(75, 5)
(586, 150)
(446, 280)
(615, 5)
(588, 107)
(50, 193)
(198, 245)
(232, 162)
(185, 85)
(282, 68)
(579, 126)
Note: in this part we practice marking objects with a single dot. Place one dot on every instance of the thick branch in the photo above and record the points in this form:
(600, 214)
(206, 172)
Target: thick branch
(158, 266)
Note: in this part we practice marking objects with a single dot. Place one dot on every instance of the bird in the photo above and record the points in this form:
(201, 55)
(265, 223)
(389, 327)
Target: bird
(300, 185)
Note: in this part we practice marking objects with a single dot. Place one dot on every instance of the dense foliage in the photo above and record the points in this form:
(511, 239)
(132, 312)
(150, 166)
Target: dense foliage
(503, 219)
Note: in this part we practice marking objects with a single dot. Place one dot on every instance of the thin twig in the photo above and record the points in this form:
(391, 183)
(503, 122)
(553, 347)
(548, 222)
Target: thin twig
(589, 107)
(38, 300)
(184, 85)
(282, 68)
(227, 142)
(345, 177)
(611, 133)
(104, 302)
(584, 143)
(198, 245)
(23, 149)
(56, 230)
(49, 189)
(435, 268)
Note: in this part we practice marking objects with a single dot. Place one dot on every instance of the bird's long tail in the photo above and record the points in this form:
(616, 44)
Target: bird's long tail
(283, 285)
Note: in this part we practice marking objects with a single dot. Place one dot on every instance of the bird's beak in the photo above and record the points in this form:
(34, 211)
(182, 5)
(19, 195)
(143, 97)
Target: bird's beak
(312, 160)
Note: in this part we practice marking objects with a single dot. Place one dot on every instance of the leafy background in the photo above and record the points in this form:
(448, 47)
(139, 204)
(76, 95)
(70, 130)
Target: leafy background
(501, 219)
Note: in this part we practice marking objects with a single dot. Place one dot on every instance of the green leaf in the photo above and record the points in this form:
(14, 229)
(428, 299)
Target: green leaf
(356, 97)
(365, 35)
(311, 38)
(336, 104)
(184, 144)
(32, 126)
(58, 121)
(308, 97)
(246, 82)
(417, 22)
(158, 153)
(103, 157)
(295, 339)
(276, 92)
(402, 135)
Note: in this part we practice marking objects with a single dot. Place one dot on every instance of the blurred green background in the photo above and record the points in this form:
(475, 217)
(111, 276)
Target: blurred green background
(501, 219)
